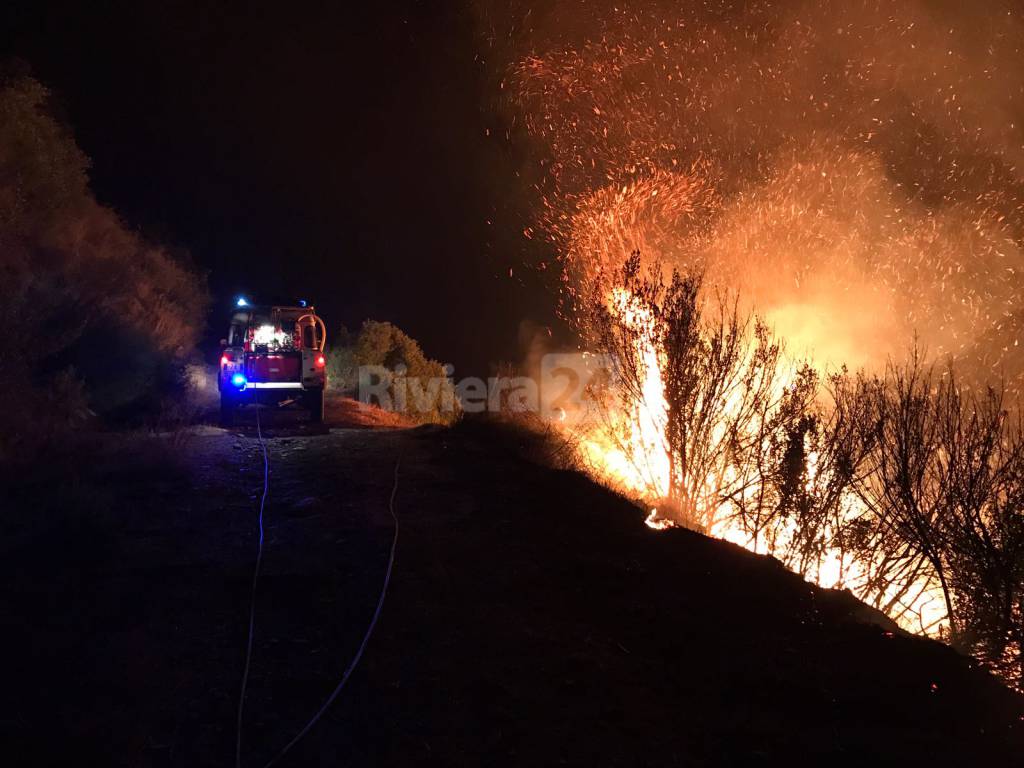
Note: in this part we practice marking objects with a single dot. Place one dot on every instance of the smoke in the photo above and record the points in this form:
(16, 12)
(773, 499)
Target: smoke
(852, 168)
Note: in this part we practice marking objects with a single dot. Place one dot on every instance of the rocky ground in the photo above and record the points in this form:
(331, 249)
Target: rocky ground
(532, 619)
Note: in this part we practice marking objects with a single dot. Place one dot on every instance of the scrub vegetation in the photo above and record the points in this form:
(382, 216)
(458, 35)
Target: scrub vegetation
(416, 385)
(98, 322)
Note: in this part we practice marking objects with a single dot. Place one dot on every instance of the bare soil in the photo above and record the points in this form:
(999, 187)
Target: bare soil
(532, 619)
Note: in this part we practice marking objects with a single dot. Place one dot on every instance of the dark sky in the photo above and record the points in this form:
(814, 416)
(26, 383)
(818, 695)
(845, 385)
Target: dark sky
(304, 149)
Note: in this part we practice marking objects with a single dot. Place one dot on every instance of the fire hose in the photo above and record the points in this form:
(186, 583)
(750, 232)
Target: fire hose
(252, 612)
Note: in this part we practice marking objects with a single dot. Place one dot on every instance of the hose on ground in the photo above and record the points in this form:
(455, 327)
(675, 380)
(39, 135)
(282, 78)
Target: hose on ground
(252, 597)
(252, 612)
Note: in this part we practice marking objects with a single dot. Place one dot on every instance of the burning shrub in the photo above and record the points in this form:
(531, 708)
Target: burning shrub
(708, 384)
(80, 295)
(905, 487)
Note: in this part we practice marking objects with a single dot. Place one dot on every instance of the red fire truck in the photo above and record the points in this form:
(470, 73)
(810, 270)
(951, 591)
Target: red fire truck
(273, 355)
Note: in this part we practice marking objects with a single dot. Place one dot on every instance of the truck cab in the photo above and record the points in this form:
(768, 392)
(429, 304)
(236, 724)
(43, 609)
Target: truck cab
(273, 355)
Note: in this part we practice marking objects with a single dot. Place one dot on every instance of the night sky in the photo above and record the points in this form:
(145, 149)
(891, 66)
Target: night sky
(309, 150)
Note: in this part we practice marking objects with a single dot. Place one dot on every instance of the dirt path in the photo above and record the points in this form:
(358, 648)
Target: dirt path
(532, 620)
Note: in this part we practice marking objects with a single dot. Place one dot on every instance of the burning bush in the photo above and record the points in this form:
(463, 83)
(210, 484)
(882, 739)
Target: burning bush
(705, 385)
(906, 487)
(96, 319)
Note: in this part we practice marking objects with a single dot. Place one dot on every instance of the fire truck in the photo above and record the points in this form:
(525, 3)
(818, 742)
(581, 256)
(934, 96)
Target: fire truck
(273, 355)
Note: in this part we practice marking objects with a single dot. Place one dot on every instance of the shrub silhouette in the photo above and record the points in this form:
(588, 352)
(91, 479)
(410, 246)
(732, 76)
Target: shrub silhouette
(406, 368)
(82, 298)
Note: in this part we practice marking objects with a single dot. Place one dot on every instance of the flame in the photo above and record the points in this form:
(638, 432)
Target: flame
(658, 523)
(639, 464)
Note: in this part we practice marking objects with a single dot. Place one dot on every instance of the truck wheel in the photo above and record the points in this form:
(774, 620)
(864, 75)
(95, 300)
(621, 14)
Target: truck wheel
(227, 410)
(315, 404)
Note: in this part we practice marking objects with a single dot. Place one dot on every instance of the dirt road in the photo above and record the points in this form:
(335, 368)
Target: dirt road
(532, 620)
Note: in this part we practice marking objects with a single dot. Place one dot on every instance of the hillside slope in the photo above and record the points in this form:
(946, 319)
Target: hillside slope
(532, 619)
